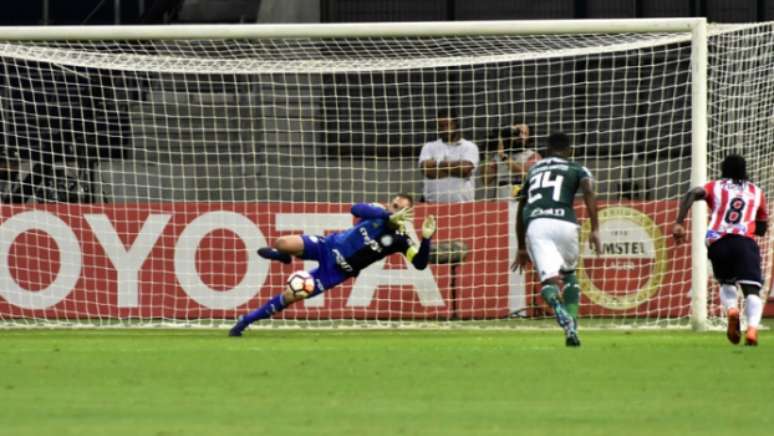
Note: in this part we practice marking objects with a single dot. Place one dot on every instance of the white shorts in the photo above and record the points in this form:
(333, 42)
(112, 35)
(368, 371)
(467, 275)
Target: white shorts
(553, 245)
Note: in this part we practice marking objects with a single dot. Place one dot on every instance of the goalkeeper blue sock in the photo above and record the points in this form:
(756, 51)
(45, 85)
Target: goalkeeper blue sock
(274, 254)
(276, 304)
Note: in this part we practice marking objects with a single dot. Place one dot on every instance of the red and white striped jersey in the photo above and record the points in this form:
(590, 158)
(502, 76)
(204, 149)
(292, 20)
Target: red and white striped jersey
(735, 208)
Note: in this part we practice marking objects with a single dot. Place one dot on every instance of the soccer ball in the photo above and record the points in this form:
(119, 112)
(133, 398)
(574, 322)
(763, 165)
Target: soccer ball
(301, 284)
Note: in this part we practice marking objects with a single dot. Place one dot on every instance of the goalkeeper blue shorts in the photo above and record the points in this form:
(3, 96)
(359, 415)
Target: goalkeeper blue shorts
(327, 274)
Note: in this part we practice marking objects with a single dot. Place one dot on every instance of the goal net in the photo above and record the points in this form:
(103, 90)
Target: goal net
(141, 174)
(741, 118)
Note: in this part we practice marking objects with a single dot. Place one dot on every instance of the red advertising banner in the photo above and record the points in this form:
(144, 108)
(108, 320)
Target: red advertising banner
(198, 260)
(184, 260)
(641, 271)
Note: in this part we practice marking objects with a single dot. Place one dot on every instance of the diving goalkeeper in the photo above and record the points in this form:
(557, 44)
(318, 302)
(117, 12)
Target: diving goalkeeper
(341, 255)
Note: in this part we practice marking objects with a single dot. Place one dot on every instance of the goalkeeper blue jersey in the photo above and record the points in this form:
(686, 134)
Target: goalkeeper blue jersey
(369, 241)
(344, 254)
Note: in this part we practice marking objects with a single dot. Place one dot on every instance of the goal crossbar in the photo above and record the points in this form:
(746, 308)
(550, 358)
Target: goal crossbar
(339, 30)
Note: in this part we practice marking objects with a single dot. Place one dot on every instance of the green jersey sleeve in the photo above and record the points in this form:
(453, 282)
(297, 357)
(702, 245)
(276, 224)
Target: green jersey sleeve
(584, 173)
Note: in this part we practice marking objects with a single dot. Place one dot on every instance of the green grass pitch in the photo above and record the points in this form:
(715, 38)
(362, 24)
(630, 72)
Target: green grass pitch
(370, 382)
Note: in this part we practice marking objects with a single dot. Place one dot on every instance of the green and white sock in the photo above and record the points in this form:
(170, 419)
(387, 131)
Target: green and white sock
(571, 295)
(550, 293)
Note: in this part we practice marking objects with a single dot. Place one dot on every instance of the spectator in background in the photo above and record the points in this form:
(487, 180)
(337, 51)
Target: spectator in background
(9, 176)
(505, 168)
(41, 176)
(448, 163)
(32, 181)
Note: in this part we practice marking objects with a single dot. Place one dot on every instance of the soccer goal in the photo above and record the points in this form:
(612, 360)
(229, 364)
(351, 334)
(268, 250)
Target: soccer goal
(143, 166)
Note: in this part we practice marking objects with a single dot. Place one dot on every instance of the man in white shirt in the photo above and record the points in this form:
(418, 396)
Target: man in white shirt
(448, 164)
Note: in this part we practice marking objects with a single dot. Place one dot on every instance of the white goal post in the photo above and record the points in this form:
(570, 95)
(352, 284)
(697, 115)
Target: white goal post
(220, 132)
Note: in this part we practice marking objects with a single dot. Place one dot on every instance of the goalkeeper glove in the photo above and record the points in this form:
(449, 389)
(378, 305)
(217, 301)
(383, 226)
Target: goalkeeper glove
(428, 227)
(399, 218)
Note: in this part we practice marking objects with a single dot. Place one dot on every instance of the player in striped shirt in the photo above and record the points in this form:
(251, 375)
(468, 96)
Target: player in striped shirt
(739, 213)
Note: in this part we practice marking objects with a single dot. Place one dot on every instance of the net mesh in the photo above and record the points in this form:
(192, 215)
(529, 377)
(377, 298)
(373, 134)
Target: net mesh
(741, 114)
(140, 177)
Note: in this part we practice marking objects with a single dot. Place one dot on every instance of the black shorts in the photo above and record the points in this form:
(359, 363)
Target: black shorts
(736, 259)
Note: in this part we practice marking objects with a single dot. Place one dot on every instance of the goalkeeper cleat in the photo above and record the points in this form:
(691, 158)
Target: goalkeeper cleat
(751, 338)
(734, 330)
(238, 328)
(274, 254)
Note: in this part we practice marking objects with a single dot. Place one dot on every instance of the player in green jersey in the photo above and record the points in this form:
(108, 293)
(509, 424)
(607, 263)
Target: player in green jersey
(548, 231)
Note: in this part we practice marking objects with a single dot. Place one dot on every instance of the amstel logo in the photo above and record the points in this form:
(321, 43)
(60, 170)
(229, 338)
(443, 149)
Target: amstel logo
(633, 261)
